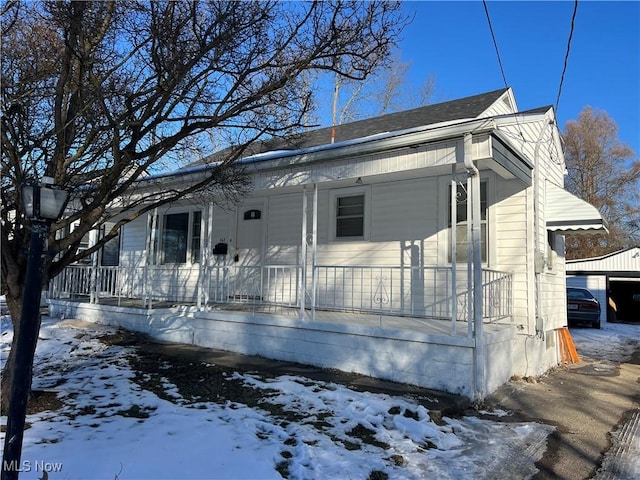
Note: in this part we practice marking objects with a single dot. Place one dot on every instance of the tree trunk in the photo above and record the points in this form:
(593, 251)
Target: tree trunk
(14, 303)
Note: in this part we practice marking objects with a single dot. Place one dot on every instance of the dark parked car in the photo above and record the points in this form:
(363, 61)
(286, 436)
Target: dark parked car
(582, 307)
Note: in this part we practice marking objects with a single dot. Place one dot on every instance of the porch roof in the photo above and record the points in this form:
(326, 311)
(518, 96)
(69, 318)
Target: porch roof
(567, 213)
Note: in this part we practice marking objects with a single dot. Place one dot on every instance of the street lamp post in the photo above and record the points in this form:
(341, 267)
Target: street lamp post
(43, 203)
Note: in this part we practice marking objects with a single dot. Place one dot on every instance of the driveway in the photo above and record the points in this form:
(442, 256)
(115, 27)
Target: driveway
(586, 402)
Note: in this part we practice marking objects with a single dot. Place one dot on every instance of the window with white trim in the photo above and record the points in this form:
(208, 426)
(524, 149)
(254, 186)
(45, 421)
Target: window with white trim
(350, 216)
(461, 224)
(180, 237)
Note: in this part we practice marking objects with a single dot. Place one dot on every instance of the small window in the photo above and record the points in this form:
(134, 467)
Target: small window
(551, 249)
(181, 237)
(350, 217)
(174, 238)
(111, 252)
(195, 236)
(461, 224)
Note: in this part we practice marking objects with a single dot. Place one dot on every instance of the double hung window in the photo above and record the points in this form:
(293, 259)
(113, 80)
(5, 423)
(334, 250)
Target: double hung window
(350, 216)
(462, 223)
(181, 237)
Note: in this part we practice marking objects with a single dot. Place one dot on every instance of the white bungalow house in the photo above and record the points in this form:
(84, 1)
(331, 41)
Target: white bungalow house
(344, 254)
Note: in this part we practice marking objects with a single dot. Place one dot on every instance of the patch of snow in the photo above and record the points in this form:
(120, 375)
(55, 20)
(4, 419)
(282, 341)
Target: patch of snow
(109, 427)
(615, 342)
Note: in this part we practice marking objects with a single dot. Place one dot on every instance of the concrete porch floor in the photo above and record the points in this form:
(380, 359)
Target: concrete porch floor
(428, 326)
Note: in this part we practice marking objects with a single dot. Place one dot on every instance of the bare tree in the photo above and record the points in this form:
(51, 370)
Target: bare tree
(387, 90)
(604, 172)
(100, 94)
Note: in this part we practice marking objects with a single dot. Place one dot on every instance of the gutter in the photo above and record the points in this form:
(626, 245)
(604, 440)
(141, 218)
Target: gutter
(362, 146)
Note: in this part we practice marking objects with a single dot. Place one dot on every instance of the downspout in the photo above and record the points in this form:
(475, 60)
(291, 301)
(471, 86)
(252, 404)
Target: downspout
(538, 257)
(474, 200)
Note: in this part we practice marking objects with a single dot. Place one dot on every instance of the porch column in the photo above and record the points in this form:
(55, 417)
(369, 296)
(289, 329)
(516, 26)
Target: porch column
(314, 251)
(454, 266)
(473, 204)
(152, 219)
(470, 290)
(94, 287)
(303, 255)
(205, 258)
(209, 242)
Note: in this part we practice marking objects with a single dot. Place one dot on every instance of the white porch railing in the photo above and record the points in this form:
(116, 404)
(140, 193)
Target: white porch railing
(424, 292)
(271, 284)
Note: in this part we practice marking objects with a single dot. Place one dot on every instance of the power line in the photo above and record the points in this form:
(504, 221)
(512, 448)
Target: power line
(566, 57)
(495, 43)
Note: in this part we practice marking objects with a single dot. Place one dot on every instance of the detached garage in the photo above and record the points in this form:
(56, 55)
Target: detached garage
(617, 273)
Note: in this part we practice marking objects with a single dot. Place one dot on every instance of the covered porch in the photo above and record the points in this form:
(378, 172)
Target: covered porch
(377, 329)
(401, 297)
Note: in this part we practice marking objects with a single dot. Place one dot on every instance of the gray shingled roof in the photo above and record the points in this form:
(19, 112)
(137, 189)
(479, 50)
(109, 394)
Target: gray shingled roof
(468, 107)
(463, 108)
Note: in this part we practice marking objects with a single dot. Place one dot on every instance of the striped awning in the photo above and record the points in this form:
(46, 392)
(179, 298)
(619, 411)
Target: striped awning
(565, 212)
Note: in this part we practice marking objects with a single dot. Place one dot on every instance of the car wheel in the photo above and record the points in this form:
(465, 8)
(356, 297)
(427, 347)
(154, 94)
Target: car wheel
(596, 324)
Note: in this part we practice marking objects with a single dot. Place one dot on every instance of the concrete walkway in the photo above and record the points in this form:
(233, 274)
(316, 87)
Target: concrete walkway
(622, 462)
(585, 402)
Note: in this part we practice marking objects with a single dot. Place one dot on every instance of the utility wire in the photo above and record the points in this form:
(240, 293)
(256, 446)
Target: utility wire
(495, 43)
(566, 57)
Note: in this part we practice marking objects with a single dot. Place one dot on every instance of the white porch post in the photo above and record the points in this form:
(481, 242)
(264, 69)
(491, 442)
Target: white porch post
(314, 251)
(151, 228)
(205, 255)
(470, 290)
(95, 264)
(454, 221)
(473, 200)
(303, 255)
(209, 250)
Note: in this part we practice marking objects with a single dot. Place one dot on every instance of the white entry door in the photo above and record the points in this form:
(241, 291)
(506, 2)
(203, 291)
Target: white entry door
(249, 252)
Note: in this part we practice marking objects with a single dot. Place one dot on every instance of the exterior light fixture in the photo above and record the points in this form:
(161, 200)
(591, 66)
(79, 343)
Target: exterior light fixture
(43, 202)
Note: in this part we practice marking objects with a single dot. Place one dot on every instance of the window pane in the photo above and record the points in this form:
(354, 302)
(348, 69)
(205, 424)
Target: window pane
(350, 216)
(350, 227)
(111, 252)
(461, 230)
(195, 237)
(461, 205)
(461, 242)
(174, 238)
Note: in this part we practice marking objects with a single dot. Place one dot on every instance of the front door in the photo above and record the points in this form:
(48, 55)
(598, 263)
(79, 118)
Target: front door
(248, 256)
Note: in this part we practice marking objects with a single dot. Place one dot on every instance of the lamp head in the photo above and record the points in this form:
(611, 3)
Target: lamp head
(43, 201)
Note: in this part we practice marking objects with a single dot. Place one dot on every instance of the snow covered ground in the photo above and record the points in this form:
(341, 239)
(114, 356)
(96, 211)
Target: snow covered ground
(109, 427)
(615, 342)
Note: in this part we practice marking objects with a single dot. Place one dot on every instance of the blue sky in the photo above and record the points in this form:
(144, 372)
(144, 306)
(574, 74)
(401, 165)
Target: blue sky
(452, 41)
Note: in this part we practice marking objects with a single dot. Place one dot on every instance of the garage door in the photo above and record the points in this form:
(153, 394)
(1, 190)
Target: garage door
(622, 291)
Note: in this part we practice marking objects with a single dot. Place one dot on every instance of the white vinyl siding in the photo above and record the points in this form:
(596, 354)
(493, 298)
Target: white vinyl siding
(511, 245)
